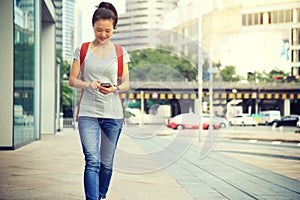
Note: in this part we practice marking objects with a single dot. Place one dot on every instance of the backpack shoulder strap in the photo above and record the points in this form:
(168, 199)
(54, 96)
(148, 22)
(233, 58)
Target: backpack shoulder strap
(83, 50)
(119, 52)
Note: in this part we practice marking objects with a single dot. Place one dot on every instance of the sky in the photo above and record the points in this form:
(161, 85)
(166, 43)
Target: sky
(87, 7)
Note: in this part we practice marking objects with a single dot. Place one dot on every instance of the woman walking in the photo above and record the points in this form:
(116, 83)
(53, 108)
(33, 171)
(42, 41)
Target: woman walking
(100, 112)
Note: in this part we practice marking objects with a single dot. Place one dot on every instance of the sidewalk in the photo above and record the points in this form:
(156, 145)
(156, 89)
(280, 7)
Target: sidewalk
(52, 168)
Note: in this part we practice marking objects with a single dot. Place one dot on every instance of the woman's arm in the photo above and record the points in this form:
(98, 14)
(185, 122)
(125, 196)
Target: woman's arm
(125, 85)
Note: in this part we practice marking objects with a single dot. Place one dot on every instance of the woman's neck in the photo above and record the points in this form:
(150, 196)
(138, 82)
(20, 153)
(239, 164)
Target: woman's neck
(98, 44)
(102, 50)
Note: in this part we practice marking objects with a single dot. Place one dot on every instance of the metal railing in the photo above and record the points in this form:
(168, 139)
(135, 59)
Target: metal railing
(69, 123)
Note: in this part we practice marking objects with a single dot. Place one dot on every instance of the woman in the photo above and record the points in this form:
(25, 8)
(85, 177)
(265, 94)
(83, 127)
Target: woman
(100, 114)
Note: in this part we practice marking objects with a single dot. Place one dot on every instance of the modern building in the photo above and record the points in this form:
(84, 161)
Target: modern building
(28, 77)
(68, 26)
(65, 28)
(250, 35)
(182, 27)
(255, 35)
(58, 27)
(138, 26)
(78, 28)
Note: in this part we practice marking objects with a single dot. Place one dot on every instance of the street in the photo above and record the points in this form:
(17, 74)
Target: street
(232, 168)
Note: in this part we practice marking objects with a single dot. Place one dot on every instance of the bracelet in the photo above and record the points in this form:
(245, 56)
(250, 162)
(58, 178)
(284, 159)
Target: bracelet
(118, 89)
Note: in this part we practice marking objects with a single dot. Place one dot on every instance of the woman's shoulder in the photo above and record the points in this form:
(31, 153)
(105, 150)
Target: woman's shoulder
(84, 44)
(120, 46)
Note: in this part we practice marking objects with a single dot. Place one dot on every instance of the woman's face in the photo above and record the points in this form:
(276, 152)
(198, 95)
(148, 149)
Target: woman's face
(103, 30)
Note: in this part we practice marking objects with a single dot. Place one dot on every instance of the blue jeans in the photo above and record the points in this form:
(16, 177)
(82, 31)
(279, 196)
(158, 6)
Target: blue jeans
(99, 138)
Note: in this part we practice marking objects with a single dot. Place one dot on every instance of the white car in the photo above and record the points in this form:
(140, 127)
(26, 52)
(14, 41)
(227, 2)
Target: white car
(191, 121)
(242, 120)
(221, 121)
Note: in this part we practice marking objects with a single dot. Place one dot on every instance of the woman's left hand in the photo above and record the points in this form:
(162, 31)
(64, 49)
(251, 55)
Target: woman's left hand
(106, 90)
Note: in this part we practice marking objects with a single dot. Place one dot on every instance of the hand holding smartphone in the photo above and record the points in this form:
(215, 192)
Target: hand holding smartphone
(106, 85)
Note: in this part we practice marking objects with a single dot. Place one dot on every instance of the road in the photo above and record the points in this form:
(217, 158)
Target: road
(216, 167)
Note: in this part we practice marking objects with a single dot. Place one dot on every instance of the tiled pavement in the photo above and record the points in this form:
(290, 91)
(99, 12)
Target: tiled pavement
(52, 169)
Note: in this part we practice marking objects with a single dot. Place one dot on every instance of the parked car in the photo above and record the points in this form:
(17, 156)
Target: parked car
(269, 116)
(189, 121)
(242, 120)
(289, 120)
(221, 121)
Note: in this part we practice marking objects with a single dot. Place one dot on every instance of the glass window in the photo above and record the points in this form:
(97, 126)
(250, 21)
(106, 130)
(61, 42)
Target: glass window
(261, 18)
(274, 17)
(23, 72)
(244, 20)
(280, 16)
(250, 19)
(288, 15)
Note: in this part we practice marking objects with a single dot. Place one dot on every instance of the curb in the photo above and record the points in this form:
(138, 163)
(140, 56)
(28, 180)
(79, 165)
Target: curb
(165, 133)
(264, 139)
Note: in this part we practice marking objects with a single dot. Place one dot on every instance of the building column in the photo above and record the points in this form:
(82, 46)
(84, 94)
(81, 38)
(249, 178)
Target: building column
(7, 74)
(286, 107)
(48, 79)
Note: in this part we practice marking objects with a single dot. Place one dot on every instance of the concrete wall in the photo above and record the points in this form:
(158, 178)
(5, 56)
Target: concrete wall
(48, 84)
(6, 75)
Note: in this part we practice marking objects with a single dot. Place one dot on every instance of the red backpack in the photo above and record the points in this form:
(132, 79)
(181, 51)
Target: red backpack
(119, 51)
(83, 51)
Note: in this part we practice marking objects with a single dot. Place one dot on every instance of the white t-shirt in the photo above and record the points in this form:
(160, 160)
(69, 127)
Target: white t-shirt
(94, 103)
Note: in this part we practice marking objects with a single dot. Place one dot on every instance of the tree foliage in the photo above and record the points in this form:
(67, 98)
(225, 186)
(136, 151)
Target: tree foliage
(229, 74)
(160, 65)
(267, 76)
(67, 91)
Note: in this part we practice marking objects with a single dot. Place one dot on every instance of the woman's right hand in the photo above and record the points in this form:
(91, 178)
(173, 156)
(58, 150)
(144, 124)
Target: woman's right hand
(94, 84)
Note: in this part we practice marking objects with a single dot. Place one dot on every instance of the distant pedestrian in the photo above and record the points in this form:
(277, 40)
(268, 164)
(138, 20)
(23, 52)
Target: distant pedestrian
(100, 112)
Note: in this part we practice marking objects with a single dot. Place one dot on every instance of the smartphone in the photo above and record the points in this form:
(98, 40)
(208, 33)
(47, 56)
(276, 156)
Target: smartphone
(106, 85)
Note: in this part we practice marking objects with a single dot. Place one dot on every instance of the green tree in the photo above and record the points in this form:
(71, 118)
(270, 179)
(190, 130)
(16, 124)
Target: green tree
(160, 65)
(276, 72)
(256, 75)
(229, 74)
(65, 70)
(67, 91)
(67, 95)
(266, 76)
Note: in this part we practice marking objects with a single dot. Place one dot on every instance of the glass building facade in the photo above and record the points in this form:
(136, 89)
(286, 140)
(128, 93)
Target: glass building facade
(24, 70)
(29, 79)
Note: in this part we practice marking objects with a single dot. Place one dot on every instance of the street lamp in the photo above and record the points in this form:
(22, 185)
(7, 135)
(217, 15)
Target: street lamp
(212, 70)
(200, 91)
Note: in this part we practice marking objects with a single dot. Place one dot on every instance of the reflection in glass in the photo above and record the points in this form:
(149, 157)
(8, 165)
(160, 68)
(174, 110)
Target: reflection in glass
(23, 71)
